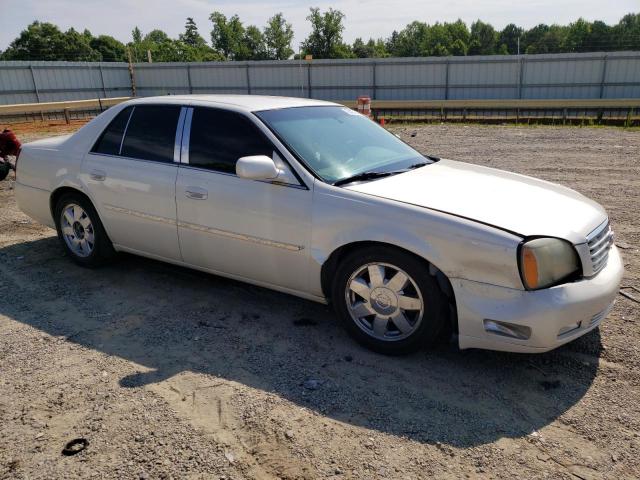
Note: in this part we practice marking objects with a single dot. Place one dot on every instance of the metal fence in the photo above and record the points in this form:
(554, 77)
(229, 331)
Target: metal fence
(555, 76)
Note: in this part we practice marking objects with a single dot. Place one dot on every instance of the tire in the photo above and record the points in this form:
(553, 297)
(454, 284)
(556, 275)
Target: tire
(4, 170)
(81, 232)
(383, 310)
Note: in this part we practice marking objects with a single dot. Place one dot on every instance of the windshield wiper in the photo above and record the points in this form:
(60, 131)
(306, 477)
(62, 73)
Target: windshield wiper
(371, 175)
(416, 165)
(362, 177)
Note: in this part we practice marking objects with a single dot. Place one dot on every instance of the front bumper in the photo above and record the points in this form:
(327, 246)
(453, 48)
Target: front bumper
(555, 315)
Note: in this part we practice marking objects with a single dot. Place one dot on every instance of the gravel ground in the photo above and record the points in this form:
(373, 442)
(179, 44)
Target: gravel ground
(169, 373)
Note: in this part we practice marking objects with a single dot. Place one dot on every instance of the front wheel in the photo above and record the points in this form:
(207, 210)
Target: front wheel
(388, 301)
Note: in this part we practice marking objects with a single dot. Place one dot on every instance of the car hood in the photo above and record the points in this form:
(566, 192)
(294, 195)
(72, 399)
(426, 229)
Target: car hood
(516, 203)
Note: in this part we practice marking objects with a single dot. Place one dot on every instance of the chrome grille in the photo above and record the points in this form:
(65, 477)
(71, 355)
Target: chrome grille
(600, 242)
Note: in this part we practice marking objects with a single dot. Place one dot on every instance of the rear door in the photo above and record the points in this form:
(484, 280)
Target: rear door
(256, 230)
(131, 175)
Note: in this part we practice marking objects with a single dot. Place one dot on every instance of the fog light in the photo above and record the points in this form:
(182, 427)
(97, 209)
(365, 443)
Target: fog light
(505, 329)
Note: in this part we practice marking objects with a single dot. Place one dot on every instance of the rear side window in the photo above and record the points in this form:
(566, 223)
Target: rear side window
(110, 140)
(219, 138)
(151, 133)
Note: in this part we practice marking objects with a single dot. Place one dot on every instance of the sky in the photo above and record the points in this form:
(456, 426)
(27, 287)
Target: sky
(370, 18)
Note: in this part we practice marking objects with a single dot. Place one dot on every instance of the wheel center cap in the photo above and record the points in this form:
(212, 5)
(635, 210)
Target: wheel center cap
(78, 230)
(384, 301)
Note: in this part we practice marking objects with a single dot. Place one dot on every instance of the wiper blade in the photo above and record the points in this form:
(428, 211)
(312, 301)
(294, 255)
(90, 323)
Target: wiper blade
(417, 165)
(362, 177)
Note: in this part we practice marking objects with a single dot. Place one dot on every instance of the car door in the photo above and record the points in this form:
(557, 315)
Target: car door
(130, 174)
(256, 230)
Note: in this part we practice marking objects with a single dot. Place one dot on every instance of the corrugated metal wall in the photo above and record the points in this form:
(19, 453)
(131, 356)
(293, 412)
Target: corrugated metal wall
(577, 76)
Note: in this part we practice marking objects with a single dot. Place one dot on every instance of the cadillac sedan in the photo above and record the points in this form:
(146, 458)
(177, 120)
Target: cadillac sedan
(313, 199)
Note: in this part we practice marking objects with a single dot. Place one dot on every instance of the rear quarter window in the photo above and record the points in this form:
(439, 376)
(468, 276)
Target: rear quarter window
(111, 138)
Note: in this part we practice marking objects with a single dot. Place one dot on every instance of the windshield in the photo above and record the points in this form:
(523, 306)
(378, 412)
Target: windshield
(338, 143)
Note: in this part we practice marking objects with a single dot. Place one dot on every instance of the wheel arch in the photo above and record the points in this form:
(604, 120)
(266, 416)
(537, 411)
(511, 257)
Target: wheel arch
(57, 194)
(330, 266)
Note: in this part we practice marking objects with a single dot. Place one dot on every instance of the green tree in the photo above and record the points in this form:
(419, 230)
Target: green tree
(411, 40)
(110, 49)
(45, 41)
(371, 49)
(192, 47)
(227, 35)
(458, 48)
(278, 35)
(483, 39)
(392, 44)
(253, 46)
(437, 40)
(509, 37)
(359, 48)
(550, 39)
(458, 30)
(162, 48)
(191, 37)
(325, 39)
(136, 47)
(627, 32)
(602, 37)
(533, 38)
(578, 36)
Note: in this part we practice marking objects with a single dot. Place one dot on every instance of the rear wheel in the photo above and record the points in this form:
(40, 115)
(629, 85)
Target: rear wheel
(81, 232)
(388, 301)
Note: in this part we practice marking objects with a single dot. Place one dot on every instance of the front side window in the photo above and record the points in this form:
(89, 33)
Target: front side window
(337, 143)
(110, 140)
(151, 133)
(219, 138)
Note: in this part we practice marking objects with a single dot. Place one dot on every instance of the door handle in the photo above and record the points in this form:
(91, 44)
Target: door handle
(98, 175)
(196, 193)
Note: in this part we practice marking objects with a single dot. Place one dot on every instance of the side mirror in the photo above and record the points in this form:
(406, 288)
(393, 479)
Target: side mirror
(257, 167)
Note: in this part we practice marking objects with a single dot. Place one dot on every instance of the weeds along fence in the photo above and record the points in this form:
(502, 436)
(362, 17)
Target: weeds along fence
(401, 87)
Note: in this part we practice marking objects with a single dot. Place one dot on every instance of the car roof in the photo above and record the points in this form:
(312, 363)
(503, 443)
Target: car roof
(250, 103)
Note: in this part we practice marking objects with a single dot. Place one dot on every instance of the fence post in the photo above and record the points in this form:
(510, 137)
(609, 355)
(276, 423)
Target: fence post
(446, 80)
(373, 80)
(189, 78)
(309, 77)
(521, 77)
(248, 78)
(104, 90)
(603, 79)
(35, 85)
(131, 75)
(35, 88)
(67, 118)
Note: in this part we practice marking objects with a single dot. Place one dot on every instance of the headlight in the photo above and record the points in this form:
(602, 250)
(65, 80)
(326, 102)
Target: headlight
(546, 261)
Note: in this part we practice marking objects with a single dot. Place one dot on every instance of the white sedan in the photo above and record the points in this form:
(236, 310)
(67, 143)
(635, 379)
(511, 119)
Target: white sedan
(313, 199)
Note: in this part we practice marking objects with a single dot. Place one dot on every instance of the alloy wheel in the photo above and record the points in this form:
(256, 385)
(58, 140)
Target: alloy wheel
(77, 230)
(384, 301)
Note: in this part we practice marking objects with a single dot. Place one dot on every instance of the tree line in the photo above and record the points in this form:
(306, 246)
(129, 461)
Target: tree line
(231, 39)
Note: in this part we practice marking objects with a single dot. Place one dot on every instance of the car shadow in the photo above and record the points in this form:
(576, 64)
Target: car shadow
(171, 319)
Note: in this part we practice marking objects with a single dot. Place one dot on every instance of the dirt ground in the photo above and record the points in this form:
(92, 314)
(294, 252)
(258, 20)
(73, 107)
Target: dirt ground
(169, 373)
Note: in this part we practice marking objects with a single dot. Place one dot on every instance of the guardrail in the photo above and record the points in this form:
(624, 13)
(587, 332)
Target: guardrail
(619, 111)
(500, 104)
(624, 108)
(65, 107)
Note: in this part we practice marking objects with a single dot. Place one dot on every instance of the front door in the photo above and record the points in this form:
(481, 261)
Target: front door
(253, 230)
(131, 175)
